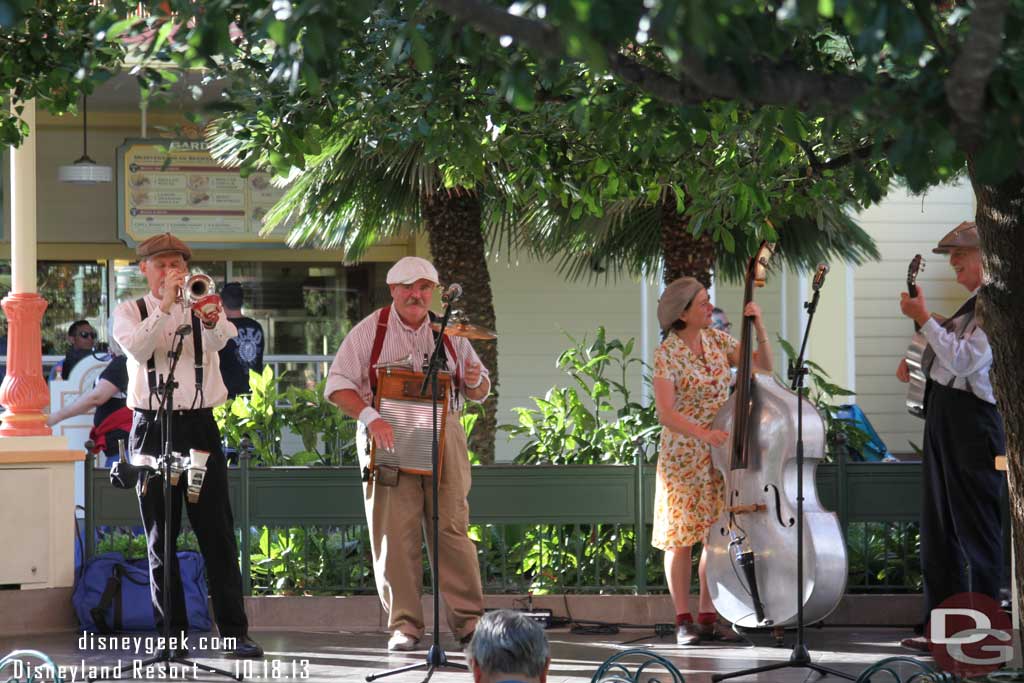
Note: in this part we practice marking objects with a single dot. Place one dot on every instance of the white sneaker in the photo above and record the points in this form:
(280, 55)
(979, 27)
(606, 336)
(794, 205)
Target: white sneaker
(402, 642)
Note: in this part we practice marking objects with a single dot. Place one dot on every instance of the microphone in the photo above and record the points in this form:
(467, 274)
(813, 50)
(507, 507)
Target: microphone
(453, 293)
(819, 276)
(183, 330)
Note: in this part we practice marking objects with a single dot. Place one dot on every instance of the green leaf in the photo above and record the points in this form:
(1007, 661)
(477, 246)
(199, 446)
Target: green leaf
(421, 53)
(278, 32)
(792, 125)
(728, 241)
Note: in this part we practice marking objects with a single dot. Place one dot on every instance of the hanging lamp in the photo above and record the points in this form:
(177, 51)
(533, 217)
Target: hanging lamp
(85, 171)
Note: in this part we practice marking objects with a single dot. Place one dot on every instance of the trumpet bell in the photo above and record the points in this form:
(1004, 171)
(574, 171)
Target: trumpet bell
(196, 287)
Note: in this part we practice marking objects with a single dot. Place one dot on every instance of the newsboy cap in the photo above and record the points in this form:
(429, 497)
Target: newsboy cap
(964, 235)
(409, 269)
(160, 244)
(678, 295)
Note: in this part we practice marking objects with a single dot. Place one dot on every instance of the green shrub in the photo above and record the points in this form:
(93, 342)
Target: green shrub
(593, 421)
(328, 435)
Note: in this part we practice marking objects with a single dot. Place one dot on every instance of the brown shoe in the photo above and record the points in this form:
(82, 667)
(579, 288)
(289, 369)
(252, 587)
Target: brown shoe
(917, 644)
(720, 632)
(687, 634)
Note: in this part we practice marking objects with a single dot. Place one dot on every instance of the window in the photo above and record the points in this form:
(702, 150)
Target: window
(74, 290)
(308, 308)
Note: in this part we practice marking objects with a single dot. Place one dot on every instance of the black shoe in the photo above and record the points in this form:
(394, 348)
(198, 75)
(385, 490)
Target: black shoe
(245, 648)
(687, 634)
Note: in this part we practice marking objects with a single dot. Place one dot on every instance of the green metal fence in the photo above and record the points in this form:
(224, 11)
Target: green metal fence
(573, 527)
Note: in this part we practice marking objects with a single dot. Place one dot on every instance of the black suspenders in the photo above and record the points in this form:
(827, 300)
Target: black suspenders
(197, 347)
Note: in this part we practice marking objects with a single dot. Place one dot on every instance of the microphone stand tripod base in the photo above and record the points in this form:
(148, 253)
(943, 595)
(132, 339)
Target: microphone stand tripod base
(436, 658)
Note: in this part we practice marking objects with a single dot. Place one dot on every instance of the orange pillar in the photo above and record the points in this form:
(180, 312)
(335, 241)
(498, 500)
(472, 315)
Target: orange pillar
(24, 392)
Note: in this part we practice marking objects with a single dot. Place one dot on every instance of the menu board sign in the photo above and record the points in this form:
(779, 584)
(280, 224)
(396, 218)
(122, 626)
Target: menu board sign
(176, 186)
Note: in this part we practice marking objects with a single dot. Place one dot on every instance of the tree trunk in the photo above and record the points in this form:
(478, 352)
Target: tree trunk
(683, 253)
(457, 246)
(1000, 221)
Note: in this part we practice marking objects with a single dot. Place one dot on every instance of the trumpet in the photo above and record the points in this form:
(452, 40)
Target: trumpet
(196, 287)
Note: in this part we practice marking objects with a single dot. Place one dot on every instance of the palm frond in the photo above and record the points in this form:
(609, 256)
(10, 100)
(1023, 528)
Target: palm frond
(827, 236)
(626, 241)
(357, 192)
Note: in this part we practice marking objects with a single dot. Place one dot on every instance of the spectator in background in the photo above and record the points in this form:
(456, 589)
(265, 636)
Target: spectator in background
(508, 647)
(244, 352)
(719, 320)
(81, 338)
(112, 420)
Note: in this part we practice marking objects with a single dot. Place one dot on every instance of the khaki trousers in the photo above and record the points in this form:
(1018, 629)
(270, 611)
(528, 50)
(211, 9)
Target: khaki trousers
(399, 516)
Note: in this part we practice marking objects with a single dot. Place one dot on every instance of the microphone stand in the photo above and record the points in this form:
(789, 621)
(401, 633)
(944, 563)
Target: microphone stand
(165, 412)
(801, 656)
(436, 656)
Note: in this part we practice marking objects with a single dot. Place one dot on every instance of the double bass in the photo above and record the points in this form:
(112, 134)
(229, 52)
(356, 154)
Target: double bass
(752, 546)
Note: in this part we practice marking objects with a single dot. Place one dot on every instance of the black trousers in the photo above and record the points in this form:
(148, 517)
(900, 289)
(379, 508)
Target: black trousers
(961, 524)
(210, 518)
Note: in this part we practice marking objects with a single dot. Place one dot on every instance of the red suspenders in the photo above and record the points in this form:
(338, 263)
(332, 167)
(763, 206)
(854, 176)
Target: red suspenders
(378, 344)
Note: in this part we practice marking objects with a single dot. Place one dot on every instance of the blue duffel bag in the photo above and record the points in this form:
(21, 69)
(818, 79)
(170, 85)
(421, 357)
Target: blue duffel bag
(112, 594)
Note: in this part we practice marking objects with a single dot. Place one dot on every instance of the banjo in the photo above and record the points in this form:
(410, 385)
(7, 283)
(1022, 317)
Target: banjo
(915, 352)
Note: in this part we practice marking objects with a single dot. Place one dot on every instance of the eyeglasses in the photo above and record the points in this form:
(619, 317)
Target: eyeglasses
(87, 335)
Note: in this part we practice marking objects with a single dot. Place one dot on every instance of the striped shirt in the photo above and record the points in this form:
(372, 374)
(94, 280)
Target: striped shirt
(351, 366)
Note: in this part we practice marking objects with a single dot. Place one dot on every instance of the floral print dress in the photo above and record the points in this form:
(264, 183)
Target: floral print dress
(690, 493)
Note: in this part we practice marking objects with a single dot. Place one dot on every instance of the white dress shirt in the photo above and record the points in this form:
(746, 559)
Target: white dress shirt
(963, 356)
(154, 337)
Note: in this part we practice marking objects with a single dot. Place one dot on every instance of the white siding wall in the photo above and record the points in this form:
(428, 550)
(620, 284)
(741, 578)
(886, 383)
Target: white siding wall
(903, 225)
(535, 309)
(729, 297)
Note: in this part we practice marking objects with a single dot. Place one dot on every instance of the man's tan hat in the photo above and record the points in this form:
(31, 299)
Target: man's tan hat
(160, 244)
(964, 235)
(674, 300)
(409, 269)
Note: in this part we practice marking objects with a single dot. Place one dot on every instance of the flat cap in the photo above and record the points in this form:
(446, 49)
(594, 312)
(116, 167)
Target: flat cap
(160, 244)
(678, 295)
(409, 269)
(963, 236)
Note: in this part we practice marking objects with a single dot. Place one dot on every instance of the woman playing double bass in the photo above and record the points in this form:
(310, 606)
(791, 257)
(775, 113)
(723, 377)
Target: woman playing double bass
(691, 383)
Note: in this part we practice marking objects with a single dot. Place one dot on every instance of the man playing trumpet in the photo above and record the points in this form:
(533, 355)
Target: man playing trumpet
(147, 329)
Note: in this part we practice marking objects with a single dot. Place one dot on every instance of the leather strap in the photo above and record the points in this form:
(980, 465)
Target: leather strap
(378, 344)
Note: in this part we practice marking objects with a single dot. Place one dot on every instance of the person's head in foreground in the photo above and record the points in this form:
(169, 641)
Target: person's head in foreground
(508, 647)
